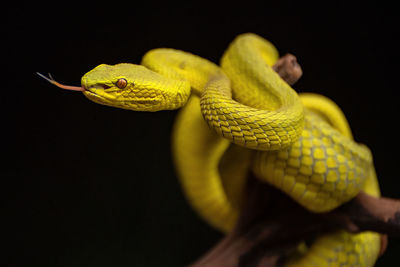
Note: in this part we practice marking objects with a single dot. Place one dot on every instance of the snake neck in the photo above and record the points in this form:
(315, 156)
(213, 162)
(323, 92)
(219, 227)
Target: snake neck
(182, 66)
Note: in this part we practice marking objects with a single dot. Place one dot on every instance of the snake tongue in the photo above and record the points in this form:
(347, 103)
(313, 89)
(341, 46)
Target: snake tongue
(62, 86)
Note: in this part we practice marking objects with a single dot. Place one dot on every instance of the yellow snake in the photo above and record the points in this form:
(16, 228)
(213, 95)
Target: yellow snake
(301, 144)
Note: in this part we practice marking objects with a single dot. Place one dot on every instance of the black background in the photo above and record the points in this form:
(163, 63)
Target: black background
(90, 185)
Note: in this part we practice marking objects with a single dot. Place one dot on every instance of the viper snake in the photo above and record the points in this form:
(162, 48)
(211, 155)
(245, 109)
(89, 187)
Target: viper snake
(240, 117)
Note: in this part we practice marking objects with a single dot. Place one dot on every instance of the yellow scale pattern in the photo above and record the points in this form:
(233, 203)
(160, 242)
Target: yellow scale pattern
(321, 170)
(342, 248)
(247, 126)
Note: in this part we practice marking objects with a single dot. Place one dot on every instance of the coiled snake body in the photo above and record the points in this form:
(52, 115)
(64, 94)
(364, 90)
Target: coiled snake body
(302, 145)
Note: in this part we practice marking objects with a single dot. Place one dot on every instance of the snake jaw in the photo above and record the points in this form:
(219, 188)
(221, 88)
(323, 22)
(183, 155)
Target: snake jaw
(131, 102)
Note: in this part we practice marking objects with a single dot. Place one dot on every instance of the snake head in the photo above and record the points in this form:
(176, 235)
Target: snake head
(127, 86)
(130, 86)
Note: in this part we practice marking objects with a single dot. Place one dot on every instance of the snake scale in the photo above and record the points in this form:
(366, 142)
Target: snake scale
(242, 116)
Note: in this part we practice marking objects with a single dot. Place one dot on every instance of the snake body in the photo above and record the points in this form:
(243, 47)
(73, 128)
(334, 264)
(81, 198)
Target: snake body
(242, 116)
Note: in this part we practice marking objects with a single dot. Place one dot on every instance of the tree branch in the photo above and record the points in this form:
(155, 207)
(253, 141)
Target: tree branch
(374, 214)
(271, 226)
(288, 68)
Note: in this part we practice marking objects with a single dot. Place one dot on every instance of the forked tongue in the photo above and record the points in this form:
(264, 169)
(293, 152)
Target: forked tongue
(62, 86)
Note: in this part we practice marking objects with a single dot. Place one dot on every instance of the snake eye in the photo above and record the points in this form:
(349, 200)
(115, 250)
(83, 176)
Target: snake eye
(121, 83)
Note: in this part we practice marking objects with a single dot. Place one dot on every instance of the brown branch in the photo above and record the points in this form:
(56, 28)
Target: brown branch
(288, 68)
(272, 225)
(375, 214)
